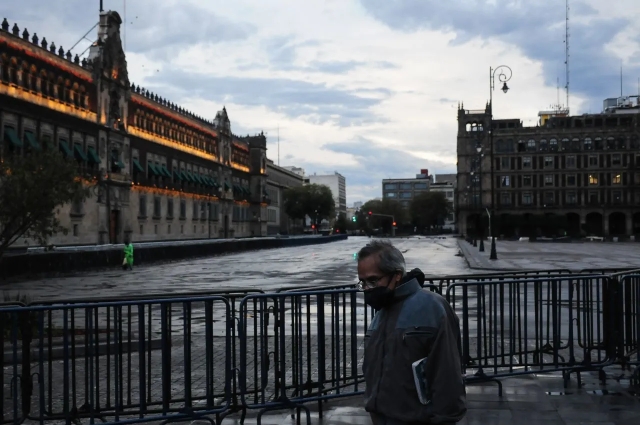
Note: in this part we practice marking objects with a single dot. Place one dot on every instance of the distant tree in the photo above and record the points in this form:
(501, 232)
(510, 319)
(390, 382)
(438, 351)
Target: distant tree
(313, 200)
(387, 207)
(31, 188)
(341, 223)
(429, 209)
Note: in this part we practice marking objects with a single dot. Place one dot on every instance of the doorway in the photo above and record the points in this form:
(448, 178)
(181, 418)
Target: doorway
(114, 217)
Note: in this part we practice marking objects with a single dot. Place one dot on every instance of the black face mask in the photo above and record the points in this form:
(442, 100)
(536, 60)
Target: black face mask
(378, 297)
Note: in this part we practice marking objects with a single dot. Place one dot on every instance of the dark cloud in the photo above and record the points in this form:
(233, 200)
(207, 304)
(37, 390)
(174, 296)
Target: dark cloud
(536, 27)
(292, 97)
(156, 28)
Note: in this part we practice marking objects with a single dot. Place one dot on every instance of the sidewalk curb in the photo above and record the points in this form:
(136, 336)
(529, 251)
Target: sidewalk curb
(469, 259)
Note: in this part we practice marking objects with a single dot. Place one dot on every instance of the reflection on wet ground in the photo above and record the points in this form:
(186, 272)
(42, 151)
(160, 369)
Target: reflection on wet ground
(332, 263)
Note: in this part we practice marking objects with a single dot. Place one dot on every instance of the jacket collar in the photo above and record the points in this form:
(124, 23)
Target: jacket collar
(406, 289)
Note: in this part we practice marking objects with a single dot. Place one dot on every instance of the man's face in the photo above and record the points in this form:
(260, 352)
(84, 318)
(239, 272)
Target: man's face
(372, 276)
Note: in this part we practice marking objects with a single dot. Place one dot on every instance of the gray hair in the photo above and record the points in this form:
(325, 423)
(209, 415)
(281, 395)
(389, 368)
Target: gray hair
(390, 259)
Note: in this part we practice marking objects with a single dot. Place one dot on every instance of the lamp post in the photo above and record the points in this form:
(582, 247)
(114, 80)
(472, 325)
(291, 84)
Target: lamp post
(503, 78)
(474, 202)
(479, 216)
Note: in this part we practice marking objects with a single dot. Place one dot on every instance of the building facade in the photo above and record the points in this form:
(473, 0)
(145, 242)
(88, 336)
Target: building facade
(447, 188)
(404, 190)
(573, 174)
(280, 179)
(157, 171)
(338, 185)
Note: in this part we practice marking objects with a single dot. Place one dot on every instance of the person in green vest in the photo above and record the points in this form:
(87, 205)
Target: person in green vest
(127, 263)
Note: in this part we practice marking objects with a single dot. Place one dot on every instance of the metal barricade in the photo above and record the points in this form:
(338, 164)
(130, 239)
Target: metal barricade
(301, 347)
(524, 326)
(132, 361)
(628, 325)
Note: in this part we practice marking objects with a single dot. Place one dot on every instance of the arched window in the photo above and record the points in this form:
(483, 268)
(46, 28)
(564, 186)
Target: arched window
(531, 145)
(599, 145)
(575, 144)
(543, 146)
(587, 144)
(553, 145)
(611, 143)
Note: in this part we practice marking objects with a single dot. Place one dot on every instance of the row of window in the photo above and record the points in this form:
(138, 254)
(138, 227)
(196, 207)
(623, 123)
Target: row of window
(179, 133)
(45, 83)
(566, 144)
(30, 142)
(402, 195)
(200, 210)
(552, 198)
(406, 186)
(563, 162)
(557, 180)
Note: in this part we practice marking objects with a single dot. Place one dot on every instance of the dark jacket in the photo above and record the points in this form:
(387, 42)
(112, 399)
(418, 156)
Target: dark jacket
(418, 323)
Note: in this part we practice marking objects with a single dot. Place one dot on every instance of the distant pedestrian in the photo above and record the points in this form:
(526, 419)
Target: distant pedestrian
(127, 262)
(412, 366)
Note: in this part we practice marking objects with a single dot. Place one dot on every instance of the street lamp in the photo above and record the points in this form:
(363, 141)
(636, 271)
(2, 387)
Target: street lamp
(503, 78)
(479, 216)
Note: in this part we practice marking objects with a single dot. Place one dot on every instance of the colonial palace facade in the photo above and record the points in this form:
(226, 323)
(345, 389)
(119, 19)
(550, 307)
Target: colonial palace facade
(582, 172)
(158, 172)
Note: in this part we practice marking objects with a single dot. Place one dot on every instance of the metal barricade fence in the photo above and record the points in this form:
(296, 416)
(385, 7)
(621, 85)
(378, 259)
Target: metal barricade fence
(117, 361)
(523, 326)
(180, 356)
(628, 326)
(305, 346)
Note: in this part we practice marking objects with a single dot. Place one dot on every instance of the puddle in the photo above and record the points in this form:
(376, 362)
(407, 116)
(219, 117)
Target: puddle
(603, 392)
(558, 393)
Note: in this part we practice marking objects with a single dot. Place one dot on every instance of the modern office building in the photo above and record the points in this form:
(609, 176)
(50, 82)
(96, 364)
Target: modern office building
(337, 183)
(158, 171)
(280, 179)
(580, 172)
(404, 190)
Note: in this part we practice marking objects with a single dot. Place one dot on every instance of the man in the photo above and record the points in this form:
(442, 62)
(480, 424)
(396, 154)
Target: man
(411, 324)
(127, 263)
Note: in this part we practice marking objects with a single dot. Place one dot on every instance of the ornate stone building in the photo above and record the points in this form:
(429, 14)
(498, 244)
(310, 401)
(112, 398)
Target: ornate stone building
(158, 171)
(574, 174)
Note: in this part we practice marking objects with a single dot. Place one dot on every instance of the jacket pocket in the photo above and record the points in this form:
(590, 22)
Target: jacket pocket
(418, 333)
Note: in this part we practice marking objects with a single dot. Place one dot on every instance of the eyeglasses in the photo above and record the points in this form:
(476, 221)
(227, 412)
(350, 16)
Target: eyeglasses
(368, 283)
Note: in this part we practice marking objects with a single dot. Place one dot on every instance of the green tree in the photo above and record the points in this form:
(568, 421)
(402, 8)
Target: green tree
(31, 188)
(341, 223)
(388, 207)
(313, 200)
(429, 209)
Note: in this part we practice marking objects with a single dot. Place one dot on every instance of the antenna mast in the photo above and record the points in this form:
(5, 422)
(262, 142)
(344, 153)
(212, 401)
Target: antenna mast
(566, 51)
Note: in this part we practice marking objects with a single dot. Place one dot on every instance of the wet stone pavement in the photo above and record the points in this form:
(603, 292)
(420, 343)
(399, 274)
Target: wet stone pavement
(266, 270)
(535, 399)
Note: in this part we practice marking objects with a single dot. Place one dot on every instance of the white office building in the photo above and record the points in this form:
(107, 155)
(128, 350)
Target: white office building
(337, 183)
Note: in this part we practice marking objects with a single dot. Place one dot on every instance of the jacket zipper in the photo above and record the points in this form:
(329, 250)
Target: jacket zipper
(384, 350)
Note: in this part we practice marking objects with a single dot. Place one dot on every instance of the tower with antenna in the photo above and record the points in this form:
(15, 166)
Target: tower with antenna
(557, 109)
(566, 51)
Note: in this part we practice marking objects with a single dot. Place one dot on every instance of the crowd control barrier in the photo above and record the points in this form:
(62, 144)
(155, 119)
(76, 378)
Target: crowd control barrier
(181, 357)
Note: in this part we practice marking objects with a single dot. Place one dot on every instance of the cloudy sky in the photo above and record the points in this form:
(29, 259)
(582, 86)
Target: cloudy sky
(368, 88)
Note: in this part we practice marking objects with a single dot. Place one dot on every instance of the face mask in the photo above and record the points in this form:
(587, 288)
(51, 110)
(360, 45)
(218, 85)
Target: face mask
(378, 297)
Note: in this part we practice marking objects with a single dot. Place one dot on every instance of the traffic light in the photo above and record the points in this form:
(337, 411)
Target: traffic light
(394, 224)
(354, 219)
(370, 213)
(313, 226)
